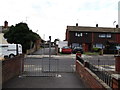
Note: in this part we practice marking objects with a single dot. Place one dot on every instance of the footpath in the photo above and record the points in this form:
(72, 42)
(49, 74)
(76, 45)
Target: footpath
(63, 80)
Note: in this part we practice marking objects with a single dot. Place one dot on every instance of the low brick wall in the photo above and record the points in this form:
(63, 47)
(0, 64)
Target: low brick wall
(116, 81)
(12, 67)
(90, 78)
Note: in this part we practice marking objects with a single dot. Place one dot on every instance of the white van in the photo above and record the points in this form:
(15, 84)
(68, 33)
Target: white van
(10, 50)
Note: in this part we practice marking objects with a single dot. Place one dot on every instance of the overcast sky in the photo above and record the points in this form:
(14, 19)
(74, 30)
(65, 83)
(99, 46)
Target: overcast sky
(51, 17)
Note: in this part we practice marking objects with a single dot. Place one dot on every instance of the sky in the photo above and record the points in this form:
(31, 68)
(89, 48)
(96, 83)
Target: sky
(51, 17)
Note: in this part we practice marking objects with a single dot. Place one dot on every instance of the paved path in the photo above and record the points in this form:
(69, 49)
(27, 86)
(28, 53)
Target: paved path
(62, 80)
(67, 80)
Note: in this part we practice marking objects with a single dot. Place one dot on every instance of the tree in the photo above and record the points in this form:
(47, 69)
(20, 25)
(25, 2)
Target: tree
(21, 34)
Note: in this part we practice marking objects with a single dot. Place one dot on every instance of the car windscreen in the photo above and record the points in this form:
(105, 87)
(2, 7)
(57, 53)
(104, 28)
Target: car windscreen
(118, 47)
(66, 47)
(78, 48)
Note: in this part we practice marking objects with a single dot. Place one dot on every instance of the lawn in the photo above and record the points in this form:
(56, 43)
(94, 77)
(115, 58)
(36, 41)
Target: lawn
(91, 53)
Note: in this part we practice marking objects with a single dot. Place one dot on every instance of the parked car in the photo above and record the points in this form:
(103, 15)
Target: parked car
(66, 49)
(118, 47)
(77, 49)
(112, 50)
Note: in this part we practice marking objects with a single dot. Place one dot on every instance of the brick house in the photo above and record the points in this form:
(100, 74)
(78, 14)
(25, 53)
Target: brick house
(89, 37)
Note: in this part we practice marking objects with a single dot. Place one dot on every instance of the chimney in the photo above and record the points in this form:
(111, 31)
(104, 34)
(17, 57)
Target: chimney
(5, 24)
(96, 25)
(117, 26)
(76, 24)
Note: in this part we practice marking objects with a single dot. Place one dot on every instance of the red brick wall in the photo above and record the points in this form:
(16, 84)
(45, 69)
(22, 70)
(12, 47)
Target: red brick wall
(88, 77)
(118, 38)
(115, 84)
(117, 64)
(11, 67)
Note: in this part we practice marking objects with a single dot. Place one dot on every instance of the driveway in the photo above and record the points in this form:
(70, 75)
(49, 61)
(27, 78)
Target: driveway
(66, 80)
(63, 79)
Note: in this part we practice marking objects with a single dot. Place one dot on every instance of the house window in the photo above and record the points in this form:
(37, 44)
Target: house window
(105, 36)
(75, 45)
(102, 35)
(108, 35)
(81, 34)
(78, 34)
(98, 45)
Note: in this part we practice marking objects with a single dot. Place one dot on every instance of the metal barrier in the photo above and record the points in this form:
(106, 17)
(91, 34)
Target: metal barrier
(100, 72)
(40, 67)
(46, 66)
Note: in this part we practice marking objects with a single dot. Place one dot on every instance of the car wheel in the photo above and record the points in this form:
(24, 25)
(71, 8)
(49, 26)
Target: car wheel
(11, 55)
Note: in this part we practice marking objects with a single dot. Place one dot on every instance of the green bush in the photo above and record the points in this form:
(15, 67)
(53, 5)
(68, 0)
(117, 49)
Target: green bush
(91, 53)
(96, 49)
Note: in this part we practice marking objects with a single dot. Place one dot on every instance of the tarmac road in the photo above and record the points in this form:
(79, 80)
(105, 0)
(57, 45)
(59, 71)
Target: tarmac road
(105, 61)
(102, 60)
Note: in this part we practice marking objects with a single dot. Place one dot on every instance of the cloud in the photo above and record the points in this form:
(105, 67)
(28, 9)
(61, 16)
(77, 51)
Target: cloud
(51, 17)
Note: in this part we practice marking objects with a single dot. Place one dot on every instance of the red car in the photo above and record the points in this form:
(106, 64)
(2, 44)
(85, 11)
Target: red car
(66, 49)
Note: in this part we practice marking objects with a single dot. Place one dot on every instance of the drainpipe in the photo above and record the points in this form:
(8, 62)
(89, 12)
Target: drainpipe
(92, 40)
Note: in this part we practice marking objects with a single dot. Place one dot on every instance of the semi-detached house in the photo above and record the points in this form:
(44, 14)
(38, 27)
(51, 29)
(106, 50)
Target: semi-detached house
(89, 37)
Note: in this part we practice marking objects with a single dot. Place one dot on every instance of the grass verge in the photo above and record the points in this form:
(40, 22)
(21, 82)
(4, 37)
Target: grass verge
(91, 53)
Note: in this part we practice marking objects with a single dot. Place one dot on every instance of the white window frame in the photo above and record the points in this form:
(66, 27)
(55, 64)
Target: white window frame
(108, 35)
(99, 45)
(81, 34)
(102, 35)
(78, 34)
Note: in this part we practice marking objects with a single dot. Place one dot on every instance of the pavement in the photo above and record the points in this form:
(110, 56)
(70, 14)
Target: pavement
(60, 80)
(65, 80)
(106, 61)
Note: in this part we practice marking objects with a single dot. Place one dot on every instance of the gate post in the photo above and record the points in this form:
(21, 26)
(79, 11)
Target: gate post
(115, 81)
(116, 77)
(21, 65)
(78, 54)
(117, 64)
(49, 51)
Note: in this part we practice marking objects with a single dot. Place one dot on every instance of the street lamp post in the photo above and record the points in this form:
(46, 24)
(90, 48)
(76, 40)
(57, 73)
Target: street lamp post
(114, 33)
(114, 25)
